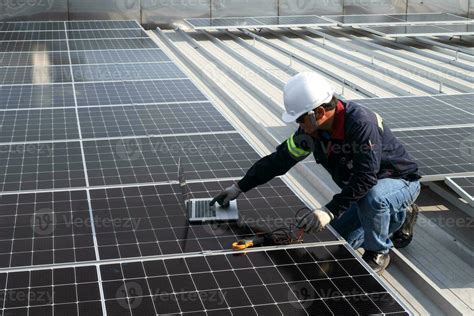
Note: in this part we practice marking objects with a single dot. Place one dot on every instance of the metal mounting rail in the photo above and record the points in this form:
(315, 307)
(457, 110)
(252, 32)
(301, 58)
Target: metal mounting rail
(243, 82)
(346, 68)
(394, 52)
(394, 89)
(393, 61)
(416, 50)
(263, 72)
(370, 64)
(314, 66)
(456, 49)
(275, 62)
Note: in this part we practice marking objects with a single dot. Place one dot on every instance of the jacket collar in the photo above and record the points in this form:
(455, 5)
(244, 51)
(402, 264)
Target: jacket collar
(338, 124)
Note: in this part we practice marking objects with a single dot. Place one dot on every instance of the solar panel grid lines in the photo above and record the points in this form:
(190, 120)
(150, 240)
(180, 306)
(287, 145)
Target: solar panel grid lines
(36, 96)
(40, 74)
(430, 111)
(106, 34)
(398, 19)
(154, 159)
(38, 166)
(33, 46)
(137, 92)
(258, 22)
(32, 26)
(154, 119)
(115, 44)
(440, 152)
(118, 56)
(32, 36)
(38, 125)
(273, 281)
(63, 291)
(45, 228)
(460, 101)
(151, 220)
(31, 58)
(464, 186)
(420, 30)
(129, 72)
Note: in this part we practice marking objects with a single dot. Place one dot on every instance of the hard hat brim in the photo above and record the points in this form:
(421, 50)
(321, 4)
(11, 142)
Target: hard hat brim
(288, 118)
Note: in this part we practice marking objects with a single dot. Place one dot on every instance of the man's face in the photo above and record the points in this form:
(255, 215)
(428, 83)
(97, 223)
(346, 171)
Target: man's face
(306, 123)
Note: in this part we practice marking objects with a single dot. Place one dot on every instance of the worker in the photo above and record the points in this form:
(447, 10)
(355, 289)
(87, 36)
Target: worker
(379, 180)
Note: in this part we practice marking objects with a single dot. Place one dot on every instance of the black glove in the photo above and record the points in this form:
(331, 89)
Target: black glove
(227, 195)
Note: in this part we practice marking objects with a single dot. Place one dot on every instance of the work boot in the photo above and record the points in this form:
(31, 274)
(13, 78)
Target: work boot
(402, 237)
(377, 261)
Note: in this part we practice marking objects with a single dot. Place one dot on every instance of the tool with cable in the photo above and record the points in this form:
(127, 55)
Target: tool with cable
(279, 236)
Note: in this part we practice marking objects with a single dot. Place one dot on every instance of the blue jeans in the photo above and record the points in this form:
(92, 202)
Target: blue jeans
(371, 221)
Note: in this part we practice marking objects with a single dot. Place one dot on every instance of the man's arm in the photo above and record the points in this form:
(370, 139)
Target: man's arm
(366, 139)
(287, 154)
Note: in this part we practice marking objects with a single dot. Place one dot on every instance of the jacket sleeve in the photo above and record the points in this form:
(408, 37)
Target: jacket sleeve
(296, 148)
(366, 140)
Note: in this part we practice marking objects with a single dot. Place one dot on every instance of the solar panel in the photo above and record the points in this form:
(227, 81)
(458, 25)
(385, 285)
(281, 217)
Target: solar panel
(102, 25)
(31, 26)
(154, 119)
(430, 111)
(36, 96)
(155, 159)
(464, 186)
(45, 228)
(37, 166)
(43, 74)
(440, 152)
(156, 223)
(61, 291)
(119, 72)
(33, 46)
(258, 22)
(33, 58)
(126, 33)
(137, 92)
(97, 44)
(461, 101)
(421, 30)
(118, 56)
(273, 282)
(38, 125)
(32, 36)
(398, 19)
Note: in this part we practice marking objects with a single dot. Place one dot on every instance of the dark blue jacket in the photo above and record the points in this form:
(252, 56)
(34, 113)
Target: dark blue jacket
(360, 150)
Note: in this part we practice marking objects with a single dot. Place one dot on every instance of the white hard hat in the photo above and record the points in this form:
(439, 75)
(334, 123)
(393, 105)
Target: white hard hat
(303, 93)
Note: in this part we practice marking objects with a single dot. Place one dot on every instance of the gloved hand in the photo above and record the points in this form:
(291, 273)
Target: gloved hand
(229, 194)
(315, 221)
